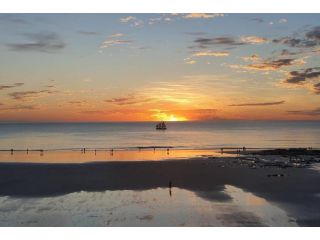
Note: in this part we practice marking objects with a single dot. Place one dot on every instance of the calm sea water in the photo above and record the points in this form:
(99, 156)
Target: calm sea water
(196, 135)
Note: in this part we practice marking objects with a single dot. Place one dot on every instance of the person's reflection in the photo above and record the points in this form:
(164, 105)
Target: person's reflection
(170, 186)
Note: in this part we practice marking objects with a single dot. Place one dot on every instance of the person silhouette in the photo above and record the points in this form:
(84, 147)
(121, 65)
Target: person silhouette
(170, 186)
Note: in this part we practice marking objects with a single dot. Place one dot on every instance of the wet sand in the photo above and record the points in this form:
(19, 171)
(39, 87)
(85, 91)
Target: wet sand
(297, 192)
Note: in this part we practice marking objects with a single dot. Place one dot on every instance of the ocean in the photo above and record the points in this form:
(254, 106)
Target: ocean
(184, 135)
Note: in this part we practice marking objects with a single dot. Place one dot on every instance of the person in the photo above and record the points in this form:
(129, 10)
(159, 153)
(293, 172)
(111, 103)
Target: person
(170, 186)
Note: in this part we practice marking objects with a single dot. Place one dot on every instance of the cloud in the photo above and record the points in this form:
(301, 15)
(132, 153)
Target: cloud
(259, 20)
(189, 61)
(286, 52)
(310, 39)
(162, 19)
(210, 54)
(308, 78)
(88, 33)
(132, 20)
(283, 20)
(313, 112)
(196, 33)
(316, 88)
(112, 41)
(129, 100)
(25, 95)
(257, 104)
(314, 34)
(296, 42)
(127, 19)
(41, 42)
(2, 87)
(251, 58)
(78, 103)
(269, 65)
(296, 77)
(19, 107)
(115, 35)
(253, 39)
(203, 15)
(206, 42)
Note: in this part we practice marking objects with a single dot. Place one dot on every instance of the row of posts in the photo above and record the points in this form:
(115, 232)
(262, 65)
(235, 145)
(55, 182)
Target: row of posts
(83, 150)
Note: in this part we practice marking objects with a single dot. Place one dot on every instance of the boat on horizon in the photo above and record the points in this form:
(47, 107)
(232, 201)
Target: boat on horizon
(161, 126)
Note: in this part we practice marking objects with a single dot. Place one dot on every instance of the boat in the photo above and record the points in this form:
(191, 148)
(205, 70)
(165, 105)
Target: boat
(161, 126)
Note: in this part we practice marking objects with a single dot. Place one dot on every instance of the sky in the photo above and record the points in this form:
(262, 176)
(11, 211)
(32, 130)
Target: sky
(154, 67)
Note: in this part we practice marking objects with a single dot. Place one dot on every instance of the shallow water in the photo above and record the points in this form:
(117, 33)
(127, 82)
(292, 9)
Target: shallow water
(155, 207)
(68, 156)
(196, 135)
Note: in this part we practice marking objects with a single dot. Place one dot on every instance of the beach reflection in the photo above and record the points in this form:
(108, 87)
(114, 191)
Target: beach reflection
(153, 207)
(69, 156)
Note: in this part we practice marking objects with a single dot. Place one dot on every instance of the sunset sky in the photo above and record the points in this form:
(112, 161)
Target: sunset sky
(145, 67)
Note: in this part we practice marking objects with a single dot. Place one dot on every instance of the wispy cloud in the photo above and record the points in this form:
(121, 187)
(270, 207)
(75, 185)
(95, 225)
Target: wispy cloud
(203, 15)
(116, 35)
(257, 104)
(210, 54)
(283, 20)
(88, 33)
(41, 42)
(19, 107)
(196, 33)
(27, 95)
(135, 22)
(269, 65)
(258, 20)
(313, 112)
(2, 87)
(113, 40)
(164, 18)
(204, 42)
(129, 100)
(189, 61)
(253, 39)
(110, 43)
(251, 58)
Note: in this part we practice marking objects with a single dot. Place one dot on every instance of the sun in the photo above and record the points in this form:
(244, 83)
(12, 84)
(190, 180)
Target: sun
(173, 118)
(162, 116)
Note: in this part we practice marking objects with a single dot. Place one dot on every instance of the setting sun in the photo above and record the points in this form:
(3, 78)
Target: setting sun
(161, 116)
(173, 118)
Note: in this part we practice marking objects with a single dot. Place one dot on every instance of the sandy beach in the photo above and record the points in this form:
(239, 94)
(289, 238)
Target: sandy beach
(228, 190)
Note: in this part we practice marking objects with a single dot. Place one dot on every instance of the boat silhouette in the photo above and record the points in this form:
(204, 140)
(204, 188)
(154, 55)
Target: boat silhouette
(161, 126)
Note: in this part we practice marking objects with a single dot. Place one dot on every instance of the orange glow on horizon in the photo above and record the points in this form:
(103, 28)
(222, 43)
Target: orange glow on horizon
(169, 117)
